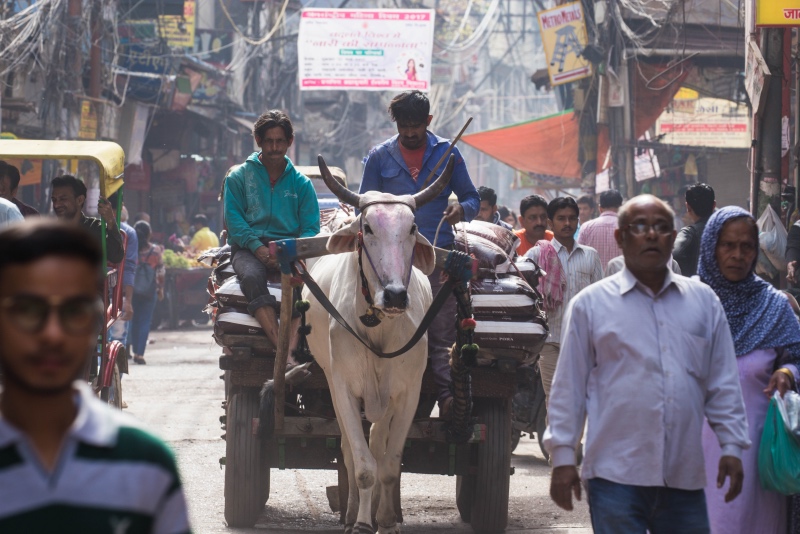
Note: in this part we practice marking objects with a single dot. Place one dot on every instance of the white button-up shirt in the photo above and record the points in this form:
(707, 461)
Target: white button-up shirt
(647, 369)
(581, 267)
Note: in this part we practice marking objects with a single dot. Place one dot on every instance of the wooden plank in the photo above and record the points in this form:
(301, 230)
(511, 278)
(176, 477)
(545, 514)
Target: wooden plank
(282, 355)
(318, 427)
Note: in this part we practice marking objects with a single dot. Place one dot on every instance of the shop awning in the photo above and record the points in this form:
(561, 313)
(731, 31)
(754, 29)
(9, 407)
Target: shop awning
(542, 146)
(549, 146)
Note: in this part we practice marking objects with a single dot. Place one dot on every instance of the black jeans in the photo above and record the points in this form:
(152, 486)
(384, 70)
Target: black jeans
(252, 279)
(441, 337)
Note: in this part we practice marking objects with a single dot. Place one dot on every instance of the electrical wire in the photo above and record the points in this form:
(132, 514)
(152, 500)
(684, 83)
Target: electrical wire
(248, 40)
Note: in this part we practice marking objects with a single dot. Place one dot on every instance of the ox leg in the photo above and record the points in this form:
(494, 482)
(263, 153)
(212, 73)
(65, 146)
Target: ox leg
(390, 462)
(364, 467)
(352, 490)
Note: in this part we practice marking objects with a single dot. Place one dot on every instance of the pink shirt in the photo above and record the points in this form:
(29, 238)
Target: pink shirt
(599, 234)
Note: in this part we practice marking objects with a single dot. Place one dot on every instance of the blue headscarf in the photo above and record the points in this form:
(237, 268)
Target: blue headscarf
(760, 317)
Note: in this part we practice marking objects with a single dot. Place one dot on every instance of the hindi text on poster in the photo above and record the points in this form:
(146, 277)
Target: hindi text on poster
(365, 49)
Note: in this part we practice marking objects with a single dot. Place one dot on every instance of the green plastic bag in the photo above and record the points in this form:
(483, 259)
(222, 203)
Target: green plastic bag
(778, 453)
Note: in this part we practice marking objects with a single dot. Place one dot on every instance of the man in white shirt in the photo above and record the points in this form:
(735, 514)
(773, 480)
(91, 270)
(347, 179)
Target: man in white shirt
(570, 267)
(647, 356)
(9, 213)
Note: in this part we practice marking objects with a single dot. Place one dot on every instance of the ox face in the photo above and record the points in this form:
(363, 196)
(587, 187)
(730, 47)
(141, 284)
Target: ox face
(390, 235)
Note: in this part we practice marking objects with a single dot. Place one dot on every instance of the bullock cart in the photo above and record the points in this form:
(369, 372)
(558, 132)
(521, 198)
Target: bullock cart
(307, 436)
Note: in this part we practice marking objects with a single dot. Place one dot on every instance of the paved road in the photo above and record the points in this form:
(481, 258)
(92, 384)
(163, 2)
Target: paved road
(178, 394)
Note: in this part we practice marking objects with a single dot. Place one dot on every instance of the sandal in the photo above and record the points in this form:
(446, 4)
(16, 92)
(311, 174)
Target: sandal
(139, 360)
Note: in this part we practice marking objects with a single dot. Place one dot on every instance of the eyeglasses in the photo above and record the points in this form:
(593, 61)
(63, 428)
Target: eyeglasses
(77, 315)
(661, 228)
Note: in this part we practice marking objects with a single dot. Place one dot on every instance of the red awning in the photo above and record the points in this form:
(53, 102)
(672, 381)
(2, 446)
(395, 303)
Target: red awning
(541, 146)
(549, 146)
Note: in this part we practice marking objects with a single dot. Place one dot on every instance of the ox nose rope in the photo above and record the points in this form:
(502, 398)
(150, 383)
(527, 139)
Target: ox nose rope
(458, 266)
(374, 315)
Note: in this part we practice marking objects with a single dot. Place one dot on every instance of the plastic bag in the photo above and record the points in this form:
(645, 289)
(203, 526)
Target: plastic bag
(772, 238)
(779, 451)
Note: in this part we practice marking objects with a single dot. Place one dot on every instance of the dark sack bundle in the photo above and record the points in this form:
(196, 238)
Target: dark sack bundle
(504, 238)
(529, 337)
(234, 323)
(222, 272)
(504, 299)
(230, 294)
(527, 269)
(489, 255)
(215, 256)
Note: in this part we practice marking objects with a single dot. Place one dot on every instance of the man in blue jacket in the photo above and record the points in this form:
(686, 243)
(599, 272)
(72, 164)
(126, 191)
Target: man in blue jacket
(401, 166)
(267, 199)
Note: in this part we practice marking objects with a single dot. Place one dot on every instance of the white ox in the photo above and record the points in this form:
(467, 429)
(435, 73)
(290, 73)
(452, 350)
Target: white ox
(388, 389)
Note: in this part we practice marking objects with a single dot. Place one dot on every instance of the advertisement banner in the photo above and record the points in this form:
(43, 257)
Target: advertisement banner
(777, 13)
(563, 30)
(365, 49)
(710, 122)
(88, 122)
(178, 30)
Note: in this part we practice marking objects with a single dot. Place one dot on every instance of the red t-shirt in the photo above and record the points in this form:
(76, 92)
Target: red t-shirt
(524, 244)
(413, 159)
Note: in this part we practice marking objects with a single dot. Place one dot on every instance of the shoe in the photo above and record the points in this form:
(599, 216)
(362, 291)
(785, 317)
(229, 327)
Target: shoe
(139, 360)
(124, 405)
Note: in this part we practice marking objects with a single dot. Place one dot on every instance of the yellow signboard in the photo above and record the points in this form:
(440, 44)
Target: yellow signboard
(178, 30)
(563, 30)
(777, 12)
(88, 124)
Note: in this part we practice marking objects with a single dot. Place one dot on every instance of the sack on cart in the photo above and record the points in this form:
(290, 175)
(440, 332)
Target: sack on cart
(508, 299)
(230, 294)
(503, 238)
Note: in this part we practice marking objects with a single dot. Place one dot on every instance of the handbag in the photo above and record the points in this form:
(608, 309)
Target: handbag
(144, 281)
(779, 451)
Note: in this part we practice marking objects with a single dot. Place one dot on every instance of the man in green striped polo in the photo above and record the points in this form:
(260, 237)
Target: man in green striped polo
(68, 462)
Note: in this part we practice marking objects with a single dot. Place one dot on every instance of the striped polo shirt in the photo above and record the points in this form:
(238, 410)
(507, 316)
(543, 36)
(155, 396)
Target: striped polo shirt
(111, 477)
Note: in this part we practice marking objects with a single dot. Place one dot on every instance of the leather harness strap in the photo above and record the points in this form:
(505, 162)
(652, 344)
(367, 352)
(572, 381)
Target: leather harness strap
(437, 304)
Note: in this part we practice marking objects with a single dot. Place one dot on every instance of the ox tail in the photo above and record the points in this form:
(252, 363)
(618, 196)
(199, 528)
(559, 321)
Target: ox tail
(266, 408)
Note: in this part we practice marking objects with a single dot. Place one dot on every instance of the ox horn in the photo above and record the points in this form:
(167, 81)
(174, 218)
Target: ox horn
(341, 192)
(433, 190)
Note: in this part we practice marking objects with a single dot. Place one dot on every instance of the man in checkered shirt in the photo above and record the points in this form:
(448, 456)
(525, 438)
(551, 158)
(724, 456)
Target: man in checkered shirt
(599, 233)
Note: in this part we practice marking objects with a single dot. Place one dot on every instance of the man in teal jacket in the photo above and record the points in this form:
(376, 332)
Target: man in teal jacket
(266, 199)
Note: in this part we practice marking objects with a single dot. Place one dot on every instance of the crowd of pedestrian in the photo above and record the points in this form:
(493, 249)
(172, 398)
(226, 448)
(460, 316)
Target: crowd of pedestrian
(673, 372)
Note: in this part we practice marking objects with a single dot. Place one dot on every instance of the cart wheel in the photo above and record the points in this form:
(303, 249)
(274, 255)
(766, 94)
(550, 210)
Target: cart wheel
(489, 511)
(465, 490)
(113, 393)
(246, 468)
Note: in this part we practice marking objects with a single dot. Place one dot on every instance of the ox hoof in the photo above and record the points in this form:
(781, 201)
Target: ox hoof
(393, 529)
(363, 528)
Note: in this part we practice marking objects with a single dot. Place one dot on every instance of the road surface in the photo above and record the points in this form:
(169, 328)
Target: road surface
(179, 393)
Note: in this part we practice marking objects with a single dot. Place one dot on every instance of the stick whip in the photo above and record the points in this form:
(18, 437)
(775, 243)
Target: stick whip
(445, 155)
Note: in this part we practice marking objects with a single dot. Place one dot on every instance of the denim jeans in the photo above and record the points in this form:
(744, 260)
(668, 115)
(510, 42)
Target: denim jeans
(139, 331)
(441, 337)
(623, 509)
(252, 279)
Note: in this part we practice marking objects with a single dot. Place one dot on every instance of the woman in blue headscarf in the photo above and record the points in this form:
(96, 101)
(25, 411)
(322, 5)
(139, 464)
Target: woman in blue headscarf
(766, 337)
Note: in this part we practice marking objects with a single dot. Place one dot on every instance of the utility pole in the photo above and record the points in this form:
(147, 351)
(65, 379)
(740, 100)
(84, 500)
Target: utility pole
(768, 164)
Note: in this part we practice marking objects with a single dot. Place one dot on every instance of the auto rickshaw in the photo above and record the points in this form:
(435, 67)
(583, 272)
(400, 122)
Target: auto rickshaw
(104, 371)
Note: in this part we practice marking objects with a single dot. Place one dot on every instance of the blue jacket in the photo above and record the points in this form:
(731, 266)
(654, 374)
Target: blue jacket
(256, 210)
(386, 171)
(131, 254)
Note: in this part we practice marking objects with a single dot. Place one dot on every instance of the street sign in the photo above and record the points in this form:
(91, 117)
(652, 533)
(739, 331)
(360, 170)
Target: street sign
(777, 13)
(563, 30)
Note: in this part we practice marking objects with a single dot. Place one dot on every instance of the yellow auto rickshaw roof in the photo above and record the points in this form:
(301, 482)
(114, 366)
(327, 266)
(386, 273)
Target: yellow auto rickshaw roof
(109, 156)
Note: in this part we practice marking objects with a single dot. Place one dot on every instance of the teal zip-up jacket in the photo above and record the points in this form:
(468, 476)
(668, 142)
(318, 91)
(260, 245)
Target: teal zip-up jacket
(254, 209)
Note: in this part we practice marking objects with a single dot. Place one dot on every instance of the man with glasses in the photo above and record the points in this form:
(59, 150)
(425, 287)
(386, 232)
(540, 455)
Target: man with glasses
(68, 462)
(266, 199)
(647, 356)
(401, 166)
